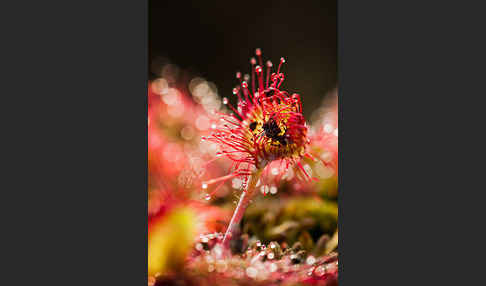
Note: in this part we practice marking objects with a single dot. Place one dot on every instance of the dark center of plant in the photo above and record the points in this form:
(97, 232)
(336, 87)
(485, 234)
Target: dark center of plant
(253, 126)
(272, 131)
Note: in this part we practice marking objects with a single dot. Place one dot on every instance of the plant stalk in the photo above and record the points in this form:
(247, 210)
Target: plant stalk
(245, 198)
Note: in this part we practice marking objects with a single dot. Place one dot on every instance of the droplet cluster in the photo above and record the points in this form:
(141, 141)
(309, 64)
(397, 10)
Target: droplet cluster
(262, 263)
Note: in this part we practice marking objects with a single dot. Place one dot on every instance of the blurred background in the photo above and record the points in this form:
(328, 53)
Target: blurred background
(214, 39)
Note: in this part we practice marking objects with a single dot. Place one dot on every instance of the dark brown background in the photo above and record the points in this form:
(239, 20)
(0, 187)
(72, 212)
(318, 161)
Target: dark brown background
(214, 39)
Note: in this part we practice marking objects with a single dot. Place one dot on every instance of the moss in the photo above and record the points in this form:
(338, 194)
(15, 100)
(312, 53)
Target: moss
(303, 219)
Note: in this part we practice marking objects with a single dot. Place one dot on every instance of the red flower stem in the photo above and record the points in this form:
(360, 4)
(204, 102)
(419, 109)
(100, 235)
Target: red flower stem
(243, 203)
